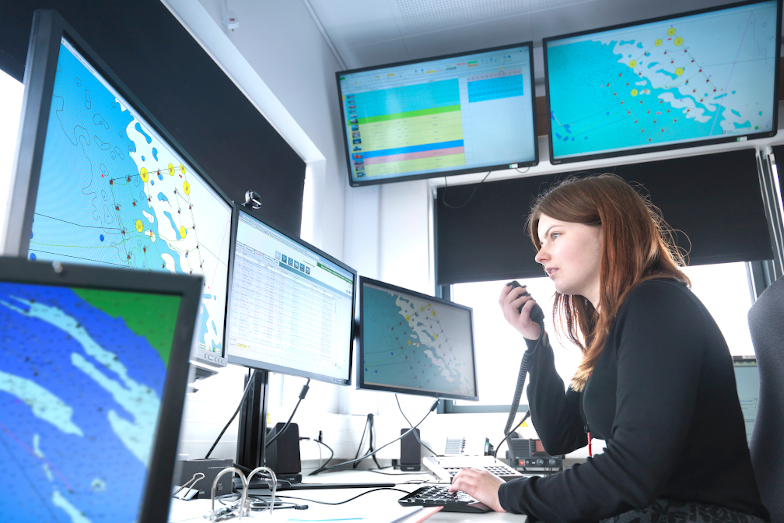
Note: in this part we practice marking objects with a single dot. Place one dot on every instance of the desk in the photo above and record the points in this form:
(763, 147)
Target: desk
(371, 506)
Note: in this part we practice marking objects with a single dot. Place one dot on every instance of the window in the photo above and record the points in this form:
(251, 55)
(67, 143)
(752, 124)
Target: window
(11, 92)
(722, 288)
(499, 347)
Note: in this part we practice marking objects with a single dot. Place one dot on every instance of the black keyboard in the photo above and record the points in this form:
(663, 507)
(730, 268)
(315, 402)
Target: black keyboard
(440, 496)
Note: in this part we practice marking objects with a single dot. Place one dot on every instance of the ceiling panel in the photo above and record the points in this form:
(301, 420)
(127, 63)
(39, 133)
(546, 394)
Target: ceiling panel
(375, 54)
(593, 15)
(509, 30)
(353, 23)
(373, 32)
(418, 17)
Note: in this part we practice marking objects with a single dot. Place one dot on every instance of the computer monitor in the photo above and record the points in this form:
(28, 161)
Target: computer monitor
(92, 382)
(685, 80)
(291, 311)
(99, 181)
(440, 116)
(412, 343)
(747, 380)
(291, 305)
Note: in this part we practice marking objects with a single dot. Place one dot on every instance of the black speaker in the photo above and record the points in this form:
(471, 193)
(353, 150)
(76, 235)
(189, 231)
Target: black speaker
(283, 454)
(410, 454)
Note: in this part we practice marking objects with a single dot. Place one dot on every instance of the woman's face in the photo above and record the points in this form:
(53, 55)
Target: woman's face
(571, 255)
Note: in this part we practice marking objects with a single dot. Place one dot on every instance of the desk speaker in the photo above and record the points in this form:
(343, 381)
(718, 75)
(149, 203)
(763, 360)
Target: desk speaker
(283, 455)
(410, 453)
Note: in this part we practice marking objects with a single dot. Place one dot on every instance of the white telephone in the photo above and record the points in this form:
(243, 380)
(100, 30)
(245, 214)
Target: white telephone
(467, 446)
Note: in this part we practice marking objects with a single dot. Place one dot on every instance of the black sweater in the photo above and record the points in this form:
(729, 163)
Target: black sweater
(663, 396)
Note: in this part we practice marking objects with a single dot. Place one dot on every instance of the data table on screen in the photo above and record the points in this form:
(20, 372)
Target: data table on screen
(281, 310)
(289, 306)
(446, 114)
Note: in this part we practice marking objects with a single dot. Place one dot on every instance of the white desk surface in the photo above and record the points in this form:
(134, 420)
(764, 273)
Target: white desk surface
(375, 507)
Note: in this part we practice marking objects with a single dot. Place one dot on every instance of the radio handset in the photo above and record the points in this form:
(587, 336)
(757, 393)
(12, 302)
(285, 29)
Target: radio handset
(538, 316)
(536, 312)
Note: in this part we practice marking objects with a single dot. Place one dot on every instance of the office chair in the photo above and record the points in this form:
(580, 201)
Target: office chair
(766, 323)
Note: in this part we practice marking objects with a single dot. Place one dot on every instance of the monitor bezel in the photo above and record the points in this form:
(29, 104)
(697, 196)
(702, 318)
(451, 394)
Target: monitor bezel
(674, 145)
(160, 470)
(269, 367)
(361, 384)
(395, 179)
(48, 29)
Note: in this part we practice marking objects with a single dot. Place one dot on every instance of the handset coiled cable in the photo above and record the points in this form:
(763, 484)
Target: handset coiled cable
(538, 316)
(521, 376)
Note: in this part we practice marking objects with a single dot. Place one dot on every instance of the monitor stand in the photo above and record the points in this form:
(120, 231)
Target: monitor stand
(252, 439)
(252, 433)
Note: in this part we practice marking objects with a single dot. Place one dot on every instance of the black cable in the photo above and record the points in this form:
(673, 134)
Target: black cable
(370, 428)
(521, 379)
(302, 394)
(323, 469)
(416, 435)
(346, 501)
(446, 185)
(372, 439)
(243, 468)
(279, 505)
(331, 452)
(361, 441)
(396, 473)
(244, 395)
(527, 415)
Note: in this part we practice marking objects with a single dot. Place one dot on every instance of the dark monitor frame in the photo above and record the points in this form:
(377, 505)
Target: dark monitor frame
(48, 28)
(268, 366)
(670, 146)
(361, 384)
(535, 161)
(160, 470)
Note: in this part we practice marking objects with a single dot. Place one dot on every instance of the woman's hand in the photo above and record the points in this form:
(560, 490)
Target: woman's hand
(479, 484)
(510, 300)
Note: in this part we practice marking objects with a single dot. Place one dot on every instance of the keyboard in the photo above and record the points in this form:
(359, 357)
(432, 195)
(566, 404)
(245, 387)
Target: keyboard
(436, 496)
(447, 467)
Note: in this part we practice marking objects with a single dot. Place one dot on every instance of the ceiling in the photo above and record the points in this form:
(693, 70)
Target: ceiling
(364, 33)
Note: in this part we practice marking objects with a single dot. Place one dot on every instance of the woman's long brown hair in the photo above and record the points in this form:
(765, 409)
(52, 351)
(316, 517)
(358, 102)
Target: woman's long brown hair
(637, 245)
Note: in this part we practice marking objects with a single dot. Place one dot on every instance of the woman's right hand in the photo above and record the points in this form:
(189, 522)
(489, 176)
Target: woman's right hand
(510, 300)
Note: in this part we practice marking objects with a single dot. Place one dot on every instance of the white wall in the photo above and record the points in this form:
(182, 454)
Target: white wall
(282, 43)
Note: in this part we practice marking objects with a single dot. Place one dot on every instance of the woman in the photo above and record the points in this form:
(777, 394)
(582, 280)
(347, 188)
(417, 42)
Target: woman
(655, 382)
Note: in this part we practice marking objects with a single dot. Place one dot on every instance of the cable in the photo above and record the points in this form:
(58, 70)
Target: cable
(331, 452)
(302, 394)
(446, 185)
(346, 501)
(397, 474)
(370, 428)
(416, 434)
(319, 448)
(244, 395)
(361, 440)
(521, 379)
(322, 469)
(279, 505)
(527, 415)
(373, 439)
